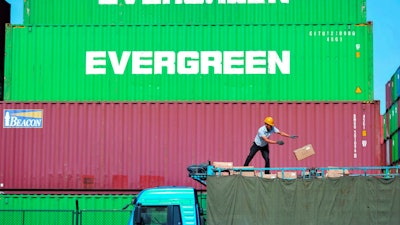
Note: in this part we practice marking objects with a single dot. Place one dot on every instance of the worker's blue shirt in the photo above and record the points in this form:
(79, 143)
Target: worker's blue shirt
(264, 132)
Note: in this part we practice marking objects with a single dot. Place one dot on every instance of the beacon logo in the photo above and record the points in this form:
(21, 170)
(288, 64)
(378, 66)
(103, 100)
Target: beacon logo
(23, 118)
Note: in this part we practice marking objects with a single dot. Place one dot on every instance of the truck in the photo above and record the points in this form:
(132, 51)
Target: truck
(167, 205)
(332, 195)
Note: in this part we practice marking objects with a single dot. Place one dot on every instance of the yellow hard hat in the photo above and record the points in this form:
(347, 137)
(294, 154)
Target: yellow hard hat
(268, 120)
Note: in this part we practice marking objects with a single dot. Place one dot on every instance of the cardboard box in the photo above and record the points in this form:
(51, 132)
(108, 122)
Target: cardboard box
(267, 176)
(247, 172)
(287, 175)
(224, 173)
(336, 172)
(226, 165)
(304, 152)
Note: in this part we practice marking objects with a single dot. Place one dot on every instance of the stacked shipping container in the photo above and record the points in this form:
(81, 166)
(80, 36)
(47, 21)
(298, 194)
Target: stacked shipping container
(4, 18)
(180, 62)
(190, 63)
(120, 147)
(196, 12)
(391, 120)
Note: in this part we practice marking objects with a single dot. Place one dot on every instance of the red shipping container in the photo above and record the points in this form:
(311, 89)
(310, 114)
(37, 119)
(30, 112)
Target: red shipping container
(388, 94)
(105, 147)
(381, 133)
(383, 154)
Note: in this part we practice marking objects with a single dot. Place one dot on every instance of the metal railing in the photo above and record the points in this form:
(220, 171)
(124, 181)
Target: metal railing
(306, 172)
(202, 171)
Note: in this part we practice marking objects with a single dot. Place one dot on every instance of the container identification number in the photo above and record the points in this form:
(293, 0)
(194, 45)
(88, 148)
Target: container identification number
(332, 36)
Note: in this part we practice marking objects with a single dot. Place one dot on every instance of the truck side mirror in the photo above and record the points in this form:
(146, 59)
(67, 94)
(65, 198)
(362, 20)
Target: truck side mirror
(134, 200)
(138, 214)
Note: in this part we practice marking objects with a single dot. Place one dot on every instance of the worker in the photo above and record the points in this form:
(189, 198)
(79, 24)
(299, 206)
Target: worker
(262, 141)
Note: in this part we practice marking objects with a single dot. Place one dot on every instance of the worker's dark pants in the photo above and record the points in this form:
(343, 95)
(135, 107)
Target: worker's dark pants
(264, 152)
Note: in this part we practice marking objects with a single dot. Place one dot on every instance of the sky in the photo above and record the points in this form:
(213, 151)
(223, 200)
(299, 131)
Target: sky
(386, 40)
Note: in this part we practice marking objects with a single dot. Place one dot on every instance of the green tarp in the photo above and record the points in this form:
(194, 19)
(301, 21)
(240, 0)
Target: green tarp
(238, 200)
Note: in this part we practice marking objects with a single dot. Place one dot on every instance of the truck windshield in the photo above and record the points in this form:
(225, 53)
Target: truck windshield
(154, 215)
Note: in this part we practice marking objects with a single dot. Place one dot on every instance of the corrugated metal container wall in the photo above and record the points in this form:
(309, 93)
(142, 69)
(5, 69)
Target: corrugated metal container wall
(382, 127)
(393, 118)
(395, 147)
(393, 89)
(388, 94)
(63, 202)
(189, 63)
(194, 12)
(127, 146)
(384, 156)
(4, 18)
(386, 133)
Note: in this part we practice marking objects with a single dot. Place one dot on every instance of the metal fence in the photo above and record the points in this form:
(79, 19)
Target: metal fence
(64, 217)
(95, 217)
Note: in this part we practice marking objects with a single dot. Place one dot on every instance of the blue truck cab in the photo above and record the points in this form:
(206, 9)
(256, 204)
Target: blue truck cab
(166, 206)
(174, 205)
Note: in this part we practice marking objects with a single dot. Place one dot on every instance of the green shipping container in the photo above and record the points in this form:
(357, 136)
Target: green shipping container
(96, 209)
(395, 87)
(385, 127)
(395, 147)
(394, 118)
(189, 63)
(194, 11)
(63, 202)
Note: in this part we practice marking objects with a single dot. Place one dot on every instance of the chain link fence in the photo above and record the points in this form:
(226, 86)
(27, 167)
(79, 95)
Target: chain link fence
(95, 217)
(64, 217)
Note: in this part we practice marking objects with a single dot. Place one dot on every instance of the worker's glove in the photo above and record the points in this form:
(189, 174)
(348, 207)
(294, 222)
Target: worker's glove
(294, 136)
(280, 142)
